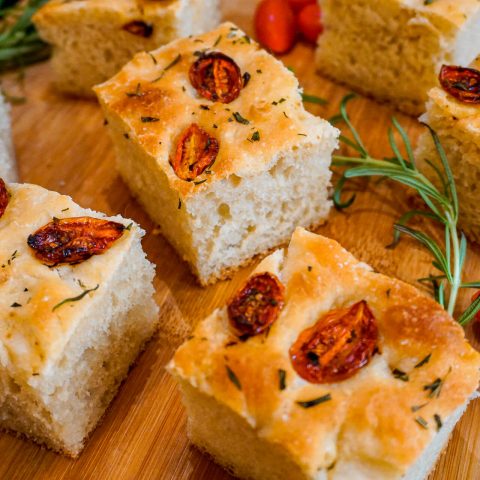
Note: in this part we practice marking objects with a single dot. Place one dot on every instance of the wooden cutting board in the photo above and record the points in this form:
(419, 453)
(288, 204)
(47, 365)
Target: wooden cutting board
(62, 145)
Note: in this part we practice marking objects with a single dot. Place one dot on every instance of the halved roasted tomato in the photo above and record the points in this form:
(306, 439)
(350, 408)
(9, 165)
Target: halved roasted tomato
(139, 28)
(337, 346)
(216, 77)
(257, 305)
(73, 240)
(462, 83)
(196, 151)
(3, 197)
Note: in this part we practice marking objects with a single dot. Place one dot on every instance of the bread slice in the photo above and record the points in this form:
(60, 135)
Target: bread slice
(8, 169)
(377, 398)
(392, 50)
(271, 169)
(68, 333)
(93, 39)
(458, 127)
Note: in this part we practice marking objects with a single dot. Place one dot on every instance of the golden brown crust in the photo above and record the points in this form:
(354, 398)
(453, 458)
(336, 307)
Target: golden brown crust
(156, 85)
(370, 415)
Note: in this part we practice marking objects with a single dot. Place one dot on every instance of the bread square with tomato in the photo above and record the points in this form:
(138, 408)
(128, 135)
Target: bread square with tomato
(453, 111)
(319, 368)
(8, 169)
(76, 308)
(392, 50)
(93, 39)
(212, 137)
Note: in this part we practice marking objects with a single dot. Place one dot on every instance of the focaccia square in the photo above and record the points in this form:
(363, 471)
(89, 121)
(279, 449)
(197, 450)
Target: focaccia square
(392, 50)
(456, 120)
(319, 369)
(93, 39)
(8, 168)
(212, 137)
(76, 308)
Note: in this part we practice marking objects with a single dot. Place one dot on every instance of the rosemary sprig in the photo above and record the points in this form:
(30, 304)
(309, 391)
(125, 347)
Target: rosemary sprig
(441, 203)
(20, 43)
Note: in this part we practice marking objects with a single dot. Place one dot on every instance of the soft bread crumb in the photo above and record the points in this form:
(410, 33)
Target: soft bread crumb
(8, 169)
(393, 50)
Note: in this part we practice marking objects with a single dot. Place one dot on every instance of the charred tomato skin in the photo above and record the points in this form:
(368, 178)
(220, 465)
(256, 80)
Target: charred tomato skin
(73, 240)
(337, 346)
(216, 77)
(460, 82)
(3, 197)
(196, 151)
(139, 28)
(256, 306)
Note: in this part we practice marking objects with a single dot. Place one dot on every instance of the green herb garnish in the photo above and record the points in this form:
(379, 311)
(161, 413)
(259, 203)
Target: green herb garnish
(307, 98)
(438, 421)
(441, 206)
(421, 363)
(233, 378)
(20, 44)
(422, 422)
(74, 299)
(315, 401)
(149, 119)
(255, 137)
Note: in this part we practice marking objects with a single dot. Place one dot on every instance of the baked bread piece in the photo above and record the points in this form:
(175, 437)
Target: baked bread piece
(392, 50)
(227, 173)
(395, 372)
(93, 39)
(8, 169)
(68, 333)
(458, 126)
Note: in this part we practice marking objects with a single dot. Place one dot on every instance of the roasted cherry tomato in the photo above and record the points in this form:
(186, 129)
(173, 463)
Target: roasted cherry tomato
(73, 240)
(216, 77)
(257, 305)
(297, 5)
(139, 28)
(196, 151)
(3, 197)
(477, 316)
(461, 83)
(275, 25)
(310, 22)
(337, 346)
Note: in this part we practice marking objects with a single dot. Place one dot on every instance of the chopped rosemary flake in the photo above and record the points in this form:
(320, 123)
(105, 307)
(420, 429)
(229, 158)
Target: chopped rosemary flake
(15, 305)
(136, 93)
(240, 119)
(422, 422)
(75, 299)
(438, 421)
(259, 71)
(126, 135)
(204, 107)
(233, 378)
(428, 2)
(416, 408)
(255, 136)
(400, 375)
(302, 134)
(424, 361)
(200, 182)
(315, 401)
(388, 292)
(149, 119)
(215, 126)
(168, 67)
(153, 58)
(65, 209)
(435, 387)
(309, 268)
(179, 204)
(282, 377)
(246, 79)
(217, 41)
(307, 98)
(286, 116)
(129, 226)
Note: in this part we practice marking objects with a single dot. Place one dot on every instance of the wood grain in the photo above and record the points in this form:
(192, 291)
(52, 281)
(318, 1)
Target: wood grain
(62, 145)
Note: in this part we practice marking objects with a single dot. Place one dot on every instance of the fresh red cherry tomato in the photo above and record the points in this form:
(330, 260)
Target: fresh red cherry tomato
(275, 25)
(310, 22)
(297, 5)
